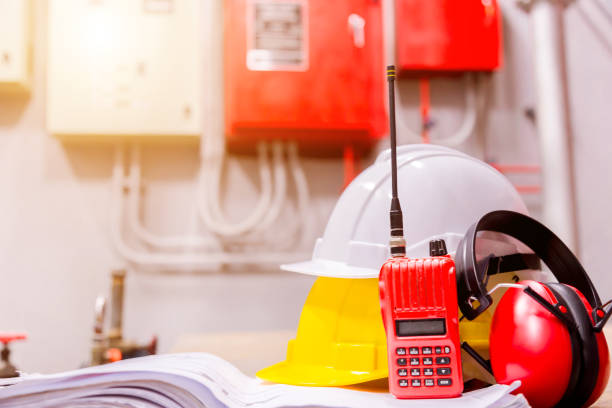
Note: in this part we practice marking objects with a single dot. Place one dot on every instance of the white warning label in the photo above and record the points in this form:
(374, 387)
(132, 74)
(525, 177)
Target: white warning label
(277, 36)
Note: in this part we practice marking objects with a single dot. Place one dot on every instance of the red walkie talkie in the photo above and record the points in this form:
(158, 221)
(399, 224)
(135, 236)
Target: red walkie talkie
(418, 299)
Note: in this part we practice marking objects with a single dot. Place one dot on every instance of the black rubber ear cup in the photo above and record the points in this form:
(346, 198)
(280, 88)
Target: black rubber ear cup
(585, 354)
(469, 278)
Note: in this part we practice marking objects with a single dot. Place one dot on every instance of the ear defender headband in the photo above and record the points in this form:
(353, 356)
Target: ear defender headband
(472, 275)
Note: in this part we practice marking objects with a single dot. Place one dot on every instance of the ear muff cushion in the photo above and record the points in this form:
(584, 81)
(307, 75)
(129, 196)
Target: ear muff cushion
(604, 357)
(587, 362)
(604, 369)
(528, 343)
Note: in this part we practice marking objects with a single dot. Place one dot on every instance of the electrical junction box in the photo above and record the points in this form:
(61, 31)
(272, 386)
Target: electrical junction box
(15, 45)
(307, 71)
(124, 68)
(448, 35)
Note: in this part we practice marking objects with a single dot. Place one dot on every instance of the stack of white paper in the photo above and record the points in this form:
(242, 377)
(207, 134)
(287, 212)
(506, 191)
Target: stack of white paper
(203, 380)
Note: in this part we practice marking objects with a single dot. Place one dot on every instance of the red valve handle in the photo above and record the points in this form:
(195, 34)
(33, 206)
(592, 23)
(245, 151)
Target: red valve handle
(6, 338)
(114, 355)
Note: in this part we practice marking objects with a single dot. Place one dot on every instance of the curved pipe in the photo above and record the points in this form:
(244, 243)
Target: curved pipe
(303, 193)
(134, 220)
(287, 237)
(280, 187)
(469, 119)
(303, 226)
(215, 219)
(170, 260)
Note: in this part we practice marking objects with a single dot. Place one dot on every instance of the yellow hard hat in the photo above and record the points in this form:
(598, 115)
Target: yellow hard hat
(341, 339)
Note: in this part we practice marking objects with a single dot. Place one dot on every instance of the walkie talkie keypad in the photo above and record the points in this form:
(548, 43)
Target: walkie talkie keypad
(424, 368)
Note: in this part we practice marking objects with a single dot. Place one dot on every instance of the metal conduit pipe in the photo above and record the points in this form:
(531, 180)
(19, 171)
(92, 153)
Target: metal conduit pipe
(553, 121)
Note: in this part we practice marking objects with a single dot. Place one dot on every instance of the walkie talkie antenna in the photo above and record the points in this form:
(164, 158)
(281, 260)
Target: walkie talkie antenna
(397, 243)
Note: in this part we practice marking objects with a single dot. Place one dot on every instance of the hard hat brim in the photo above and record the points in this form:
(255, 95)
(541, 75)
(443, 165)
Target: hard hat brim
(316, 376)
(330, 269)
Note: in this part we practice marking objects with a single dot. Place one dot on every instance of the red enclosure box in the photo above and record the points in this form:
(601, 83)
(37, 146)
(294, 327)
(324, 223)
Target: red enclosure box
(309, 71)
(448, 35)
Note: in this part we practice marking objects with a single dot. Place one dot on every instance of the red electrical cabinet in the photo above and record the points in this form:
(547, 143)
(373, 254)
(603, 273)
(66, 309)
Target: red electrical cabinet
(448, 35)
(309, 71)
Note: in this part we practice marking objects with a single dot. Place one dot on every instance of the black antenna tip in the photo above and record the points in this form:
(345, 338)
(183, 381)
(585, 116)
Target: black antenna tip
(390, 72)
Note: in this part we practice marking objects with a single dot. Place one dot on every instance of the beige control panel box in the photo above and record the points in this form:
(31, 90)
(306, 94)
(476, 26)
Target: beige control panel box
(15, 46)
(124, 68)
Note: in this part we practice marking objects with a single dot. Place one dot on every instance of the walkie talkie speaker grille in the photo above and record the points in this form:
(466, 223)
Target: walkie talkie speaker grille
(442, 192)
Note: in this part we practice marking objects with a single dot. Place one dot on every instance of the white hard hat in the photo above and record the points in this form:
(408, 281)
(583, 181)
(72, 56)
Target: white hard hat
(442, 192)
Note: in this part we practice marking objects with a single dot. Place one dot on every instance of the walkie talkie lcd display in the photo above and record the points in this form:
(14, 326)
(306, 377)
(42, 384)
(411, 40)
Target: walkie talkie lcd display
(419, 308)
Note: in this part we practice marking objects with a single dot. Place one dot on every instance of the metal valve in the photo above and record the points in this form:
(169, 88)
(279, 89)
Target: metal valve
(8, 370)
(111, 347)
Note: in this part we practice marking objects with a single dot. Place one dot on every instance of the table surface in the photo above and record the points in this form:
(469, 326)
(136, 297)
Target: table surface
(252, 351)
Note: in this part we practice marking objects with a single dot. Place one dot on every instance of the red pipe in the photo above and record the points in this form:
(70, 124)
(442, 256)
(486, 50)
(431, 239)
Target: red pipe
(350, 165)
(521, 169)
(516, 168)
(425, 104)
(528, 189)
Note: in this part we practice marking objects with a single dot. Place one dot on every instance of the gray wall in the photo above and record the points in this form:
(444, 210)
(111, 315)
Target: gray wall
(55, 250)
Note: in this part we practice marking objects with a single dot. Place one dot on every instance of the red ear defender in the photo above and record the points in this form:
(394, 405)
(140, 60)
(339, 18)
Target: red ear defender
(531, 344)
(547, 335)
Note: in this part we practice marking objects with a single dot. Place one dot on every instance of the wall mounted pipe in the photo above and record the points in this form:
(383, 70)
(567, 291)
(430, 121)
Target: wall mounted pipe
(209, 194)
(553, 121)
(468, 124)
(191, 261)
(135, 223)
